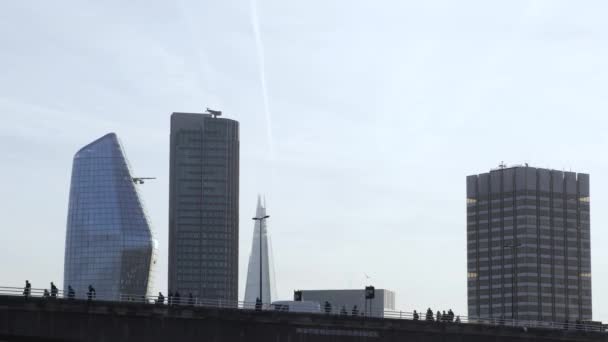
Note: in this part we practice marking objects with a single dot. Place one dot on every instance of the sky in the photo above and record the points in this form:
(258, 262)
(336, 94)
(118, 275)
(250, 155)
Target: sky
(360, 121)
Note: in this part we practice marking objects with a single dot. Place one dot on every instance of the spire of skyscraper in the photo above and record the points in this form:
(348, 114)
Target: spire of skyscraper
(252, 289)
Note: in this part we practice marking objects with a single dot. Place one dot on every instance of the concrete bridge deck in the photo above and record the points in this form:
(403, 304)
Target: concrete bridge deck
(45, 319)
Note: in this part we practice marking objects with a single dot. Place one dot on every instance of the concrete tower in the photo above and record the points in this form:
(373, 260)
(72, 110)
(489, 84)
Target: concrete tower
(204, 206)
(529, 252)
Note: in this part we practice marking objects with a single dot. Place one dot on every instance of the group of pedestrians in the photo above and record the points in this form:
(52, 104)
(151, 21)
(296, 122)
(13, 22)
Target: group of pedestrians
(52, 294)
(54, 291)
(327, 308)
(445, 317)
(174, 299)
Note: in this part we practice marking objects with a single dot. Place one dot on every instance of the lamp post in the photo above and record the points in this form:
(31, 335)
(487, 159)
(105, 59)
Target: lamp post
(261, 220)
(513, 247)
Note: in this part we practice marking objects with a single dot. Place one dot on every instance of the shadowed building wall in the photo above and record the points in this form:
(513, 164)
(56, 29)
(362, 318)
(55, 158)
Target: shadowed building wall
(204, 206)
(528, 235)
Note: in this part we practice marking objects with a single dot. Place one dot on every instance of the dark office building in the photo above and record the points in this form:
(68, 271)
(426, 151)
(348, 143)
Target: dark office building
(204, 206)
(538, 218)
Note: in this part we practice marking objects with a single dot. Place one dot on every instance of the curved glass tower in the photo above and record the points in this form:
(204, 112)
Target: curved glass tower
(109, 243)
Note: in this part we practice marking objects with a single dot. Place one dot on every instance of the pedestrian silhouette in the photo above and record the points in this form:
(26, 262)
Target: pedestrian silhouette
(71, 293)
(429, 315)
(27, 290)
(457, 319)
(45, 294)
(416, 316)
(327, 307)
(355, 311)
(170, 300)
(258, 304)
(176, 298)
(343, 311)
(190, 299)
(450, 315)
(53, 290)
(161, 298)
(439, 318)
(91, 293)
(444, 317)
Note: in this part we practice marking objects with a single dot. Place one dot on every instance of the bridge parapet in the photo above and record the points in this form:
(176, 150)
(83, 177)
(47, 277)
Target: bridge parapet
(80, 320)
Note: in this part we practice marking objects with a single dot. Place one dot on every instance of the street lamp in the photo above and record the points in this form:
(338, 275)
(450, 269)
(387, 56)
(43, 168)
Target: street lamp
(513, 247)
(261, 220)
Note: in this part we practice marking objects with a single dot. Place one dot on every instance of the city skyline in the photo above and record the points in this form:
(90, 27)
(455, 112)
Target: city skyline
(377, 113)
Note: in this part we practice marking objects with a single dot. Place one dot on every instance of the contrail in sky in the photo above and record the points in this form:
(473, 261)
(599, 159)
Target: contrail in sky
(262, 67)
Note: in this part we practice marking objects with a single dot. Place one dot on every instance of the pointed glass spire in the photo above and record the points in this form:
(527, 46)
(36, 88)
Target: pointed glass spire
(252, 289)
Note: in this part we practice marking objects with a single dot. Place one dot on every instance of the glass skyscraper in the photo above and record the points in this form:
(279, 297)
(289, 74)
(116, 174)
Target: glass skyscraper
(252, 287)
(528, 236)
(109, 244)
(204, 206)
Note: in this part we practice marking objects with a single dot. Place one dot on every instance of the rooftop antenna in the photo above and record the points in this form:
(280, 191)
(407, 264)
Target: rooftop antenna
(140, 180)
(215, 113)
(502, 165)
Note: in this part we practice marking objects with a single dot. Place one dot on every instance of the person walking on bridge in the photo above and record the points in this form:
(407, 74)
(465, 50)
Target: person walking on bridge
(190, 299)
(91, 294)
(450, 316)
(27, 290)
(161, 299)
(327, 307)
(71, 293)
(429, 315)
(53, 290)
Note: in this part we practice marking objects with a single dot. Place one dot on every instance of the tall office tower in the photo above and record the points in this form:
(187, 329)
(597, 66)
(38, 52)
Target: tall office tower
(204, 206)
(108, 243)
(263, 257)
(528, 244)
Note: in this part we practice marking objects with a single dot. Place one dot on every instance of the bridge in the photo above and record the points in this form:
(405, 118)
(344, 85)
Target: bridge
(60, 319)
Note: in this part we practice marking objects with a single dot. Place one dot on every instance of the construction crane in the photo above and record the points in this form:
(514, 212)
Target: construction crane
(140, 180)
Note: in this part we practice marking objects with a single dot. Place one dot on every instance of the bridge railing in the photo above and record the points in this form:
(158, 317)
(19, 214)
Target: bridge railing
(183, 301)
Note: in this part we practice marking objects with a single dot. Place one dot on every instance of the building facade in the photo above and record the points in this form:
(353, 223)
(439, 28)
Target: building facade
(204, 206)
(252, 288)
(109, 243)
(528, 244)
(348, 299)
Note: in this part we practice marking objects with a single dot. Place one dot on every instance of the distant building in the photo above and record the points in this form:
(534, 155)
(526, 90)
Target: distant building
(252, 288)
(204, 206)
(528, 238)
(383, 300)
(108, 242)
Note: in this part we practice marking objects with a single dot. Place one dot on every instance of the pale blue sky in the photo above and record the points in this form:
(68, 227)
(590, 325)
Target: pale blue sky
(378, 111)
